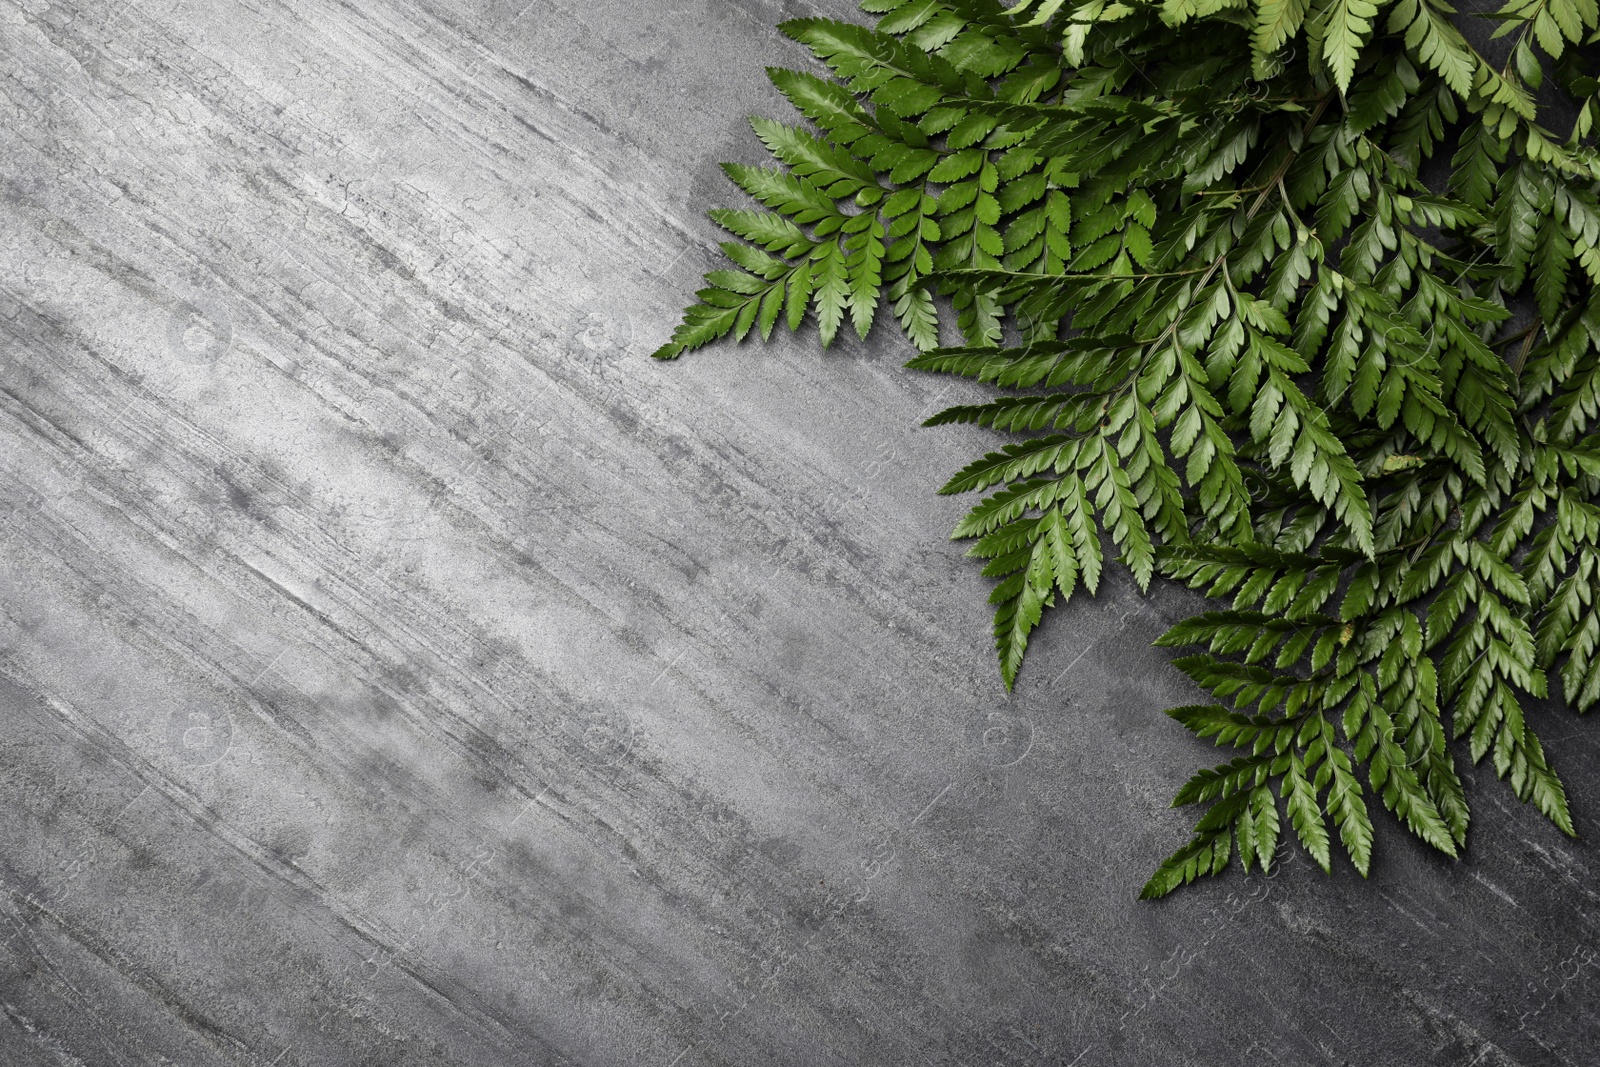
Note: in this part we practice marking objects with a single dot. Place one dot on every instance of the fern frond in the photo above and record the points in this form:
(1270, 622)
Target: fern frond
(1233, 337)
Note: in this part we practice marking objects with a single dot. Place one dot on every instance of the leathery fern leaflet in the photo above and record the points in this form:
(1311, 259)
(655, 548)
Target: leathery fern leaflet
(1293, 301)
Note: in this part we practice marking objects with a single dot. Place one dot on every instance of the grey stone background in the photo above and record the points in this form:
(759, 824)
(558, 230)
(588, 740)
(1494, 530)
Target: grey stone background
(399, 668)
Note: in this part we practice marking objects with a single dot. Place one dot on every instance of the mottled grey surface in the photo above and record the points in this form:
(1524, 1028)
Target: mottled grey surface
(399, 668)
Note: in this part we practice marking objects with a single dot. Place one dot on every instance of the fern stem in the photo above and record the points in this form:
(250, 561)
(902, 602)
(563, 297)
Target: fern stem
(1527, 345)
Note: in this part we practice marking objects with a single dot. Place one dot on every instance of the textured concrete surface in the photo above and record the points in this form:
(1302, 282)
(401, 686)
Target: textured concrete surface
(396, 667)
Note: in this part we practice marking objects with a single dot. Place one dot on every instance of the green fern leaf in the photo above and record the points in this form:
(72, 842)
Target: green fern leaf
(1230, 335)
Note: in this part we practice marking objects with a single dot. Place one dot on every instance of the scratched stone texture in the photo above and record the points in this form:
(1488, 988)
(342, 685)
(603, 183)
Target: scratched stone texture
(398, 667)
